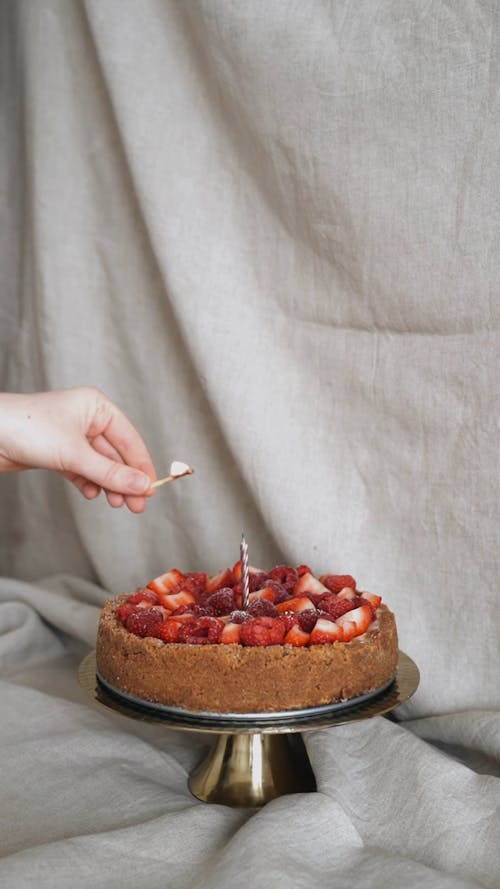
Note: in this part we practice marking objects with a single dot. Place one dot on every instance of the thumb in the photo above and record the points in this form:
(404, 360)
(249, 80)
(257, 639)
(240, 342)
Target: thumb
(109, 474)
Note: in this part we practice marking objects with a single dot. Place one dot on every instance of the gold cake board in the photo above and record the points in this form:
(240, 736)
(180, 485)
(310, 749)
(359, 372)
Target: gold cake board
(255, 760)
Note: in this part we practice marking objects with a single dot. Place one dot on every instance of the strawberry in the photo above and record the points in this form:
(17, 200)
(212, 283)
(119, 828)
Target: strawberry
(175, 600)
(325, 631)
(237, 572)
(124, 611)
(297, 603)
(201, 631)
(222, 601)
(144, 598)
(262, 631)
(230, 634)
(218, 581)
(168, 631)
(372, 599)
(347, 592)
(142, 622)
(168, 582)
(355, 622)
(267, 592)
(308, 584)
(336, 582)
(303, 569)
(296, 637)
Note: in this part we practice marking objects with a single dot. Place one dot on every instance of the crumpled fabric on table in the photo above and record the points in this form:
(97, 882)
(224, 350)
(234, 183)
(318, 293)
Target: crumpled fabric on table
(269, 231)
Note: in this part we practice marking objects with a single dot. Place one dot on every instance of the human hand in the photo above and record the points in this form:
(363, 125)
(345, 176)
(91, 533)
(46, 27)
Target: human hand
(82, 435)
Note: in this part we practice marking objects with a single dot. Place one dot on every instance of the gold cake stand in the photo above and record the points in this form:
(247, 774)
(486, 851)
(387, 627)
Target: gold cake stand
(256, 757)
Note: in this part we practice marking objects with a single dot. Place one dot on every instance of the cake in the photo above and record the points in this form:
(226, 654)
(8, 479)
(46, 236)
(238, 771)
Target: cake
(184, 641)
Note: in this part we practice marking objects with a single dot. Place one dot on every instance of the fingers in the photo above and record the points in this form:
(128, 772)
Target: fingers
(106, 473)
(122, 436)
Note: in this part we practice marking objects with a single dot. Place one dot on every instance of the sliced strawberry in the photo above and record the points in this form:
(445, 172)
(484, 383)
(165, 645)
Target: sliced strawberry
(306, 584)
(230, 634)
(267, 592)
(303, 569)
(336, 605)
(175, 600)
(347, 592)
(336, 582)
(355, 622)
(325, 631)
(168, 631)
(296, 637)
(143, 596)
(372, 599)
(297, 603)
(166, 583)
(236, 572)
(218, 581)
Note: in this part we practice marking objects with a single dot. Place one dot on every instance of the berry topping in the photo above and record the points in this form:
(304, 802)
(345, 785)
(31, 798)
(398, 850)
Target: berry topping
(256, 580)
(239, 617)
(219, 581)
(326, 631)
(142, 622)
(335, 606)
(262, 607)
(355, 622)
(222, 602)
(195, 582)
(307, 619)
(167, 631)
(124, 611)
(285, 575)
(146, 598)
(263, 631)
(303, 569)
(167, 583)
(308, 585)
(296, 637)
(230, 634)
(203, 611)
(201, 631)
(173, 601)
(337, 582)
(297, 603)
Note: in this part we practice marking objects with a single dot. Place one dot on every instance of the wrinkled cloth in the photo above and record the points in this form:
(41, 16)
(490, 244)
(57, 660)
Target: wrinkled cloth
(269, 231)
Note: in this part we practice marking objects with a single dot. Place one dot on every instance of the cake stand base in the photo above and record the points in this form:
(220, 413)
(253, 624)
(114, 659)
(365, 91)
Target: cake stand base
(256, 757)
(250, 770)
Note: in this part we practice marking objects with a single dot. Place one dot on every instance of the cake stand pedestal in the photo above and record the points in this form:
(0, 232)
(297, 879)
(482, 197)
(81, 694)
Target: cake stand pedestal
(256, 757)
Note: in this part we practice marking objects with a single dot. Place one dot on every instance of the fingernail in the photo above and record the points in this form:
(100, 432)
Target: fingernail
(138, 483)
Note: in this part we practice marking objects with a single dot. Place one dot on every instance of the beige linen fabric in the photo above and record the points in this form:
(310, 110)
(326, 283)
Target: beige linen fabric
(269, 231)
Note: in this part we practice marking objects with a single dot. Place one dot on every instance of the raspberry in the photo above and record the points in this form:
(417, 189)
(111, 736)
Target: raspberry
(335, 606)
(167, 631)
(337, 582)
(256, 580)
(262, 607)
(125, 611)
(202, 611)
(263, 631)
(201, 631)
(280, 592)
(307, 619)
(194, 582)
(142, 622)
(222, 601)
(239, 617)
(285, 575)
(141, 596)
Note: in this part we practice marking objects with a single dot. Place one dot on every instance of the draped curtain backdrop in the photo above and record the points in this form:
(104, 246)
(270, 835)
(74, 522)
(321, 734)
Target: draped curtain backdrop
(270, 231)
